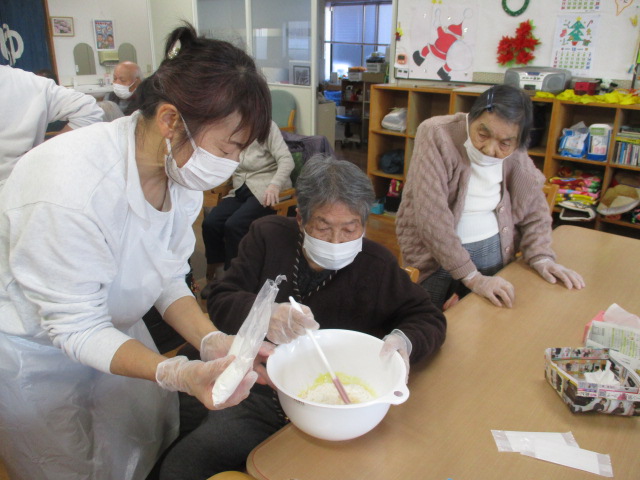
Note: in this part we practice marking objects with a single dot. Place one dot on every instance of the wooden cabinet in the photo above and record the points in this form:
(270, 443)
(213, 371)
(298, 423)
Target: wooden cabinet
(551, 116)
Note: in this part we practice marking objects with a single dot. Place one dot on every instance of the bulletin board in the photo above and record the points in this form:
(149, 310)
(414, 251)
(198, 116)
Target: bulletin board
(452, 39)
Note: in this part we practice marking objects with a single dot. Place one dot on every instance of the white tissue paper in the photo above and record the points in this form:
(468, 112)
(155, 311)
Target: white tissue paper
(618, 315)
(508, 441)
(560, 448)
(603, 377)
(573, 457)
(247, 342)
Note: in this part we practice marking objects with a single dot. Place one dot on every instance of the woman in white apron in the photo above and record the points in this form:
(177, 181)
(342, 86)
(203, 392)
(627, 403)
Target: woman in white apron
(95, 228)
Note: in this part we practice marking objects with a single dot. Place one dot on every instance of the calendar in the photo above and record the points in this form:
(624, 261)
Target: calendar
(580, 5)
(574, 39)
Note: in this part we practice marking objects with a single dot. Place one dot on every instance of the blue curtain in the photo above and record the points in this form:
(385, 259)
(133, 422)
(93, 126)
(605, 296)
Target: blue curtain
(23, 35)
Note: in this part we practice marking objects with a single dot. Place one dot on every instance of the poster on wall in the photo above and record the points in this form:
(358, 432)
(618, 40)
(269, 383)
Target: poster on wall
(575, 43)
(438, 41)
(24, 39)
(103, 33)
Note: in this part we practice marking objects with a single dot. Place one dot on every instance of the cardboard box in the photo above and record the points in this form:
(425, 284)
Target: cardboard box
(366, 77)
(376, 67)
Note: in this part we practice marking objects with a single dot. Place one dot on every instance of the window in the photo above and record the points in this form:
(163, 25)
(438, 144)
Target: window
(353, 31)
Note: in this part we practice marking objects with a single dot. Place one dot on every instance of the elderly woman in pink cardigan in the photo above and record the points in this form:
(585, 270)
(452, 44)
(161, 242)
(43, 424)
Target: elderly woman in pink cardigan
(473, 199)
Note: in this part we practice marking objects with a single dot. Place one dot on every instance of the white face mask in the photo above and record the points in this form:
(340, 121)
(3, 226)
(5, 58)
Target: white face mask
(122, 91)
(332, 256)
(203, 171)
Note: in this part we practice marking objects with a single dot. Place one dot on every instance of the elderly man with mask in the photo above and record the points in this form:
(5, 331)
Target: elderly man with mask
(126, 78)
(342, 279)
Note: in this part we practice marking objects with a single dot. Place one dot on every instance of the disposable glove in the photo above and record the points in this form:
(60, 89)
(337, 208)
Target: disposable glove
(496, 289)
(197, 378)
(287, 323)
(551, 271)
(271, 195)
(397, 341)
(216, 345)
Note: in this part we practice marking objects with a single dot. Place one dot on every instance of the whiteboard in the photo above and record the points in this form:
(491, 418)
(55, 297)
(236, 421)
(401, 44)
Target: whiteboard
(455, 38)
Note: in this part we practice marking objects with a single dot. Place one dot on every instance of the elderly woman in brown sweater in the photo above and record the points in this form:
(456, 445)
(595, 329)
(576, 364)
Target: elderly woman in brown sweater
(473, 199)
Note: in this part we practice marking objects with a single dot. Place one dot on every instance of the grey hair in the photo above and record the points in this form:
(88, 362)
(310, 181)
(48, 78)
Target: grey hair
(111, 110)
(509, 103)
(325, 180)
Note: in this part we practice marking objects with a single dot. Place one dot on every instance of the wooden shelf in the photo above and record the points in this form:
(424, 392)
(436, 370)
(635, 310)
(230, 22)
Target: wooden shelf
(621, 223)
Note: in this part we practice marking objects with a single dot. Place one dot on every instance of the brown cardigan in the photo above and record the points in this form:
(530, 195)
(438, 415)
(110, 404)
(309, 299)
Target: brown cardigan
(433, 200)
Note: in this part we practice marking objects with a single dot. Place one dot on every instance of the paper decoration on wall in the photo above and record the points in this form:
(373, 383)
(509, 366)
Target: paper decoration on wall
(621, 5)
(574, 43)
(580, 5)
(518, 50)
(447, 51)
(514, 13)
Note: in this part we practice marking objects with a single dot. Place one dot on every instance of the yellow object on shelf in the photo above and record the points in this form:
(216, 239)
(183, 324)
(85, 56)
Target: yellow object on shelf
(621, 97)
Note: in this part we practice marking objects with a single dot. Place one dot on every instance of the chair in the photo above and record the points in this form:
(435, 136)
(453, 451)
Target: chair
(550, 190)
(283, 110)
(413, 272)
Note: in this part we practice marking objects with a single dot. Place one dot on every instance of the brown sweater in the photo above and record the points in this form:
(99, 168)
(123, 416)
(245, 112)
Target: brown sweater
(433, 200)
(371, 295)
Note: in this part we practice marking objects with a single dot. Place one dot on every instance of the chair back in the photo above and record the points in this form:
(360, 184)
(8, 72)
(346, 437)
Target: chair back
(550, 191)
(283, 110)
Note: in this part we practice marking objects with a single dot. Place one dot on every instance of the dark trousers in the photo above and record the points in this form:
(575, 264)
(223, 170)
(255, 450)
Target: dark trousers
(221, 440)
(228, 222)
(487, 257)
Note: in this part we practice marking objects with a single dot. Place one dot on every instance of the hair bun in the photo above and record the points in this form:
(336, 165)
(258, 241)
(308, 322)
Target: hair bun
(180, 39)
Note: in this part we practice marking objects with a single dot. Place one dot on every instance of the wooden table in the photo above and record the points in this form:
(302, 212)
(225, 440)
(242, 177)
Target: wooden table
(489, 375)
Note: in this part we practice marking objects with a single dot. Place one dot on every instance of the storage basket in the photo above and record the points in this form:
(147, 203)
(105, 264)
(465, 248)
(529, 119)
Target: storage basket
(565, 368)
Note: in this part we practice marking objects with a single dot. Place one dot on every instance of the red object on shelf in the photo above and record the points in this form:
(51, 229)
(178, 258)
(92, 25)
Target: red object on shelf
(586, 88)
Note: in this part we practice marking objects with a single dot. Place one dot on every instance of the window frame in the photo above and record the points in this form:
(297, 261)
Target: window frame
(330, 42)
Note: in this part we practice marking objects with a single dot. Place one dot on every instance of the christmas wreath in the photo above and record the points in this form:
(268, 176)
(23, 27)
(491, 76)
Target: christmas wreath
(519, 49)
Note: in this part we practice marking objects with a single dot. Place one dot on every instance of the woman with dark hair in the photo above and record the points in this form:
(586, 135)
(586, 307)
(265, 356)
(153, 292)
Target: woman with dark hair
(473, 199)
(95, 228)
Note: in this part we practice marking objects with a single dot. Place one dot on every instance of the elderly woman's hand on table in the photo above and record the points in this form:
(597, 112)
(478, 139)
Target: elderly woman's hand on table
(496, 289)
(552, 272)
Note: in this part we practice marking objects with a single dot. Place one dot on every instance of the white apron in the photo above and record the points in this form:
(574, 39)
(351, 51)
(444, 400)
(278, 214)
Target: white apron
(69, 421)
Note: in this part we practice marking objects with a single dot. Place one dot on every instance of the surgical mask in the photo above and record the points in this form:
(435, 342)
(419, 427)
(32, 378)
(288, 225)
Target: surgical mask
(332, 256)
(122, 91)
(203, 171)
(476, 156)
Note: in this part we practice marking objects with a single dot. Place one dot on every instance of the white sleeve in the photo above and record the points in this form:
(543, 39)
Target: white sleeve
(64, 266)
(75, 107)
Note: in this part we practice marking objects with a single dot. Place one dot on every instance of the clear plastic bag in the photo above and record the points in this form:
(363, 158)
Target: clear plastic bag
(247, 342)
(396, 120)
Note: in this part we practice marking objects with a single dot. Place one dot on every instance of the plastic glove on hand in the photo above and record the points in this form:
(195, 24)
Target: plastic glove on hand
(397, 341)
(271, 195)
(197, 378)
(552, 271)
(287, 323)
(496, 289)
(216, 345)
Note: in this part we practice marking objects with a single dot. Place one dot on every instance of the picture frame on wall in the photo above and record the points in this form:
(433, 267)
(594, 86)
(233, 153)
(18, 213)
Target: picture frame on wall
(62, 26)
(103, 33)
(300, 73)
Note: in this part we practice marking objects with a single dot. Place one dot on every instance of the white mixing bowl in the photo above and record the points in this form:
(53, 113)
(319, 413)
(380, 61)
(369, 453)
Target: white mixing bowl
(294, 367)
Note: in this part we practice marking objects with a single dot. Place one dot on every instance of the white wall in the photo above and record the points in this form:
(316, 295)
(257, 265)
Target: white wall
(131, 25)
(165, 16)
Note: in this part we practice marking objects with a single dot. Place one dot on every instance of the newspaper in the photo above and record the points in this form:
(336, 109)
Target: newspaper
(609, 335)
